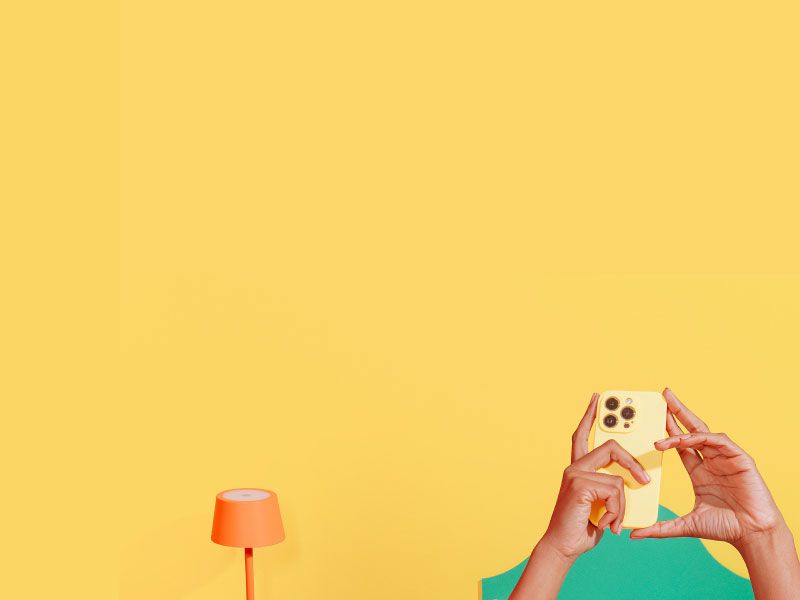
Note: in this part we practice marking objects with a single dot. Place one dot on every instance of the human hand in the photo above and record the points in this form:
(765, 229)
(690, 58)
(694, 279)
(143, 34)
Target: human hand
(732, 502)
(570, 532)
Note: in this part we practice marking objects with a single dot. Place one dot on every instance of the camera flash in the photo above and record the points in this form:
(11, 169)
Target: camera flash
(629, 401)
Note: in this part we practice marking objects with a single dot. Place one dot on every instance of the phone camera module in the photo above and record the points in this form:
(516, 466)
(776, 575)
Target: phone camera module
(610, 421)
(612, 404)
(627, 413)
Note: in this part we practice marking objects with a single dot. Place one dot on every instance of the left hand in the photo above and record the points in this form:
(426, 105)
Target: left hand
(570, 532)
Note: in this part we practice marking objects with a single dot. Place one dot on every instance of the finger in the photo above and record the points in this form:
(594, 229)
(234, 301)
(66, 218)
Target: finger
(580, 439)
(604, 455)
(614, 482)
(689, 457)
(717, 443)
(663, 529)
(691, 421)
(615, 504)
(610, 493)
(605, 520)
(672, 425)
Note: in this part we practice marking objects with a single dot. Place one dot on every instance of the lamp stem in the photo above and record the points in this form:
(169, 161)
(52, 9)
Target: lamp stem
(248, 573)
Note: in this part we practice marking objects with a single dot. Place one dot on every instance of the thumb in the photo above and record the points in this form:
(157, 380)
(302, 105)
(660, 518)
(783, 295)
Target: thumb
(664, 529)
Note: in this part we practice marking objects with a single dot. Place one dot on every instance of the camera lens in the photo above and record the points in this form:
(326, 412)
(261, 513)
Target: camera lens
(612, 404)
(610, 420)
(627, 413)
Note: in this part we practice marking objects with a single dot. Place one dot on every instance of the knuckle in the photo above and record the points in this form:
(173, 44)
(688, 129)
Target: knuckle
(573, 484)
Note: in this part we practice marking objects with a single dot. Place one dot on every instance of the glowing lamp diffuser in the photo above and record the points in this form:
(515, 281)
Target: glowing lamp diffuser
(247, 518)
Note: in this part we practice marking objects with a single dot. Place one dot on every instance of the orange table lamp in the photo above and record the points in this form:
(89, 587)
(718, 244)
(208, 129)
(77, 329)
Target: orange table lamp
(247, 518)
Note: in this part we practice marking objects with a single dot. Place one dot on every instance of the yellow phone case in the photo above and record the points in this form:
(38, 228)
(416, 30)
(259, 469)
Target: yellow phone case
(636, 420)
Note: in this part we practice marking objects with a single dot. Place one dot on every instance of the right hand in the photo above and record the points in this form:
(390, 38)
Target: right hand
(570, 532)
(732, 502)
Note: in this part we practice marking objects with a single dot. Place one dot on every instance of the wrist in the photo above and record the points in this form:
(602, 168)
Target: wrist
(772, 563)
(544, 573)
(758, 544)
(548, 550)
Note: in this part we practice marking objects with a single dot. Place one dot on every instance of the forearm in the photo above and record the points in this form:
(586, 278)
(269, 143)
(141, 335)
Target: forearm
(543, 575)
(772, 562)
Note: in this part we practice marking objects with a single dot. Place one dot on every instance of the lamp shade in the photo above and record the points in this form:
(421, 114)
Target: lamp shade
(247, 518)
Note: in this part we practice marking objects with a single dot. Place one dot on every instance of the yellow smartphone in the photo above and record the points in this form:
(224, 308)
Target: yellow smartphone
(636, 420)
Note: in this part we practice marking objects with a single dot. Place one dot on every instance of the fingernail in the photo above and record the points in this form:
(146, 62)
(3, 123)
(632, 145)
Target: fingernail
(659, 441)
(646, 477)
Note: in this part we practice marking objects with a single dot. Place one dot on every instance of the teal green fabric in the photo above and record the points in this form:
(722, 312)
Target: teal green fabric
(669, 569)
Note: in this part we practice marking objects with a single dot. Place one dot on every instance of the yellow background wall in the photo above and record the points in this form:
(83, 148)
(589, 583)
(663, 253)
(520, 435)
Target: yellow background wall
(376, 257)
